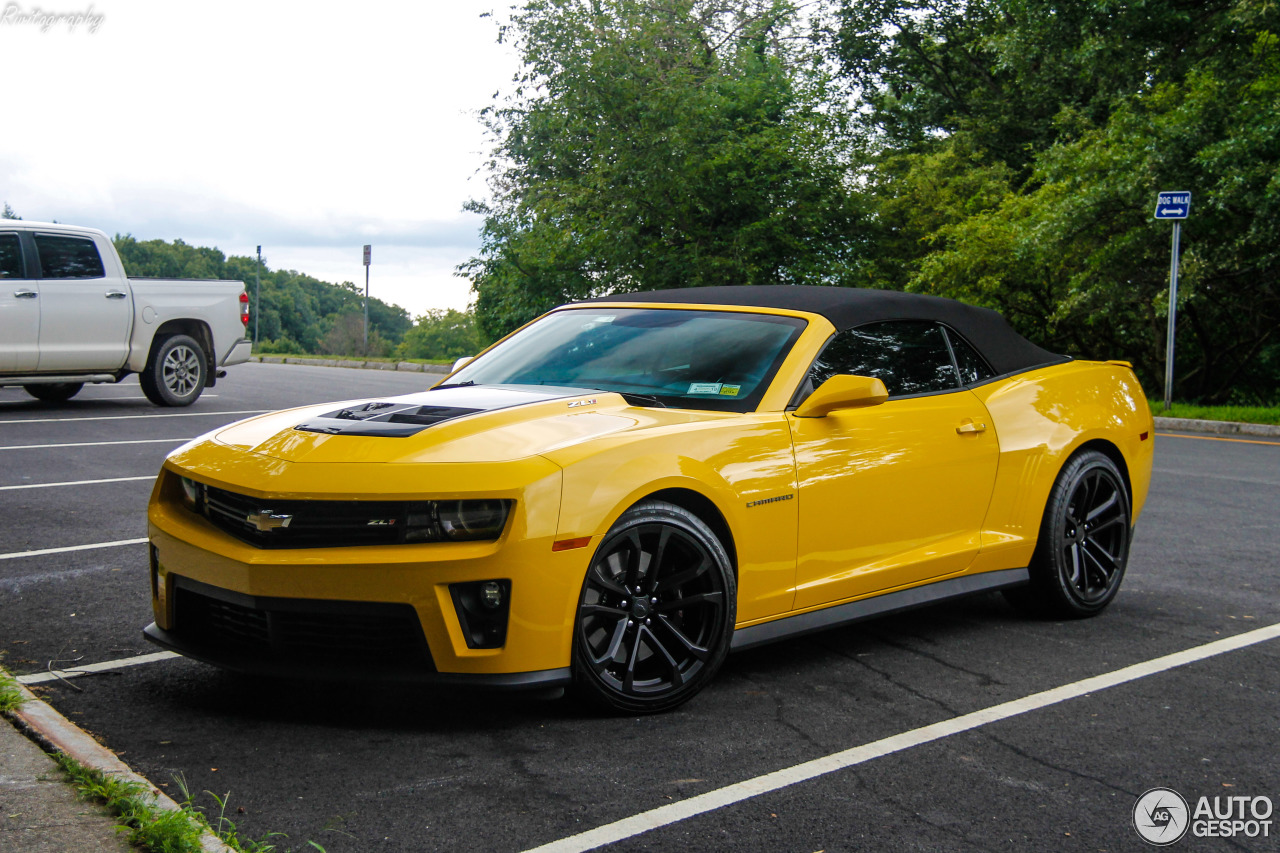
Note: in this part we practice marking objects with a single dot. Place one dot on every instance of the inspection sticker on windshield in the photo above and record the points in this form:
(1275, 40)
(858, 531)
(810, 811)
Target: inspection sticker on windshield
(704, 388)
(730, 390)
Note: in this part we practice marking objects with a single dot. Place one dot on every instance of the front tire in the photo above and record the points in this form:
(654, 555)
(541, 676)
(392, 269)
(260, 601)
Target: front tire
(58, 392)
(1083, 548)
(656, 612)
(176, 373)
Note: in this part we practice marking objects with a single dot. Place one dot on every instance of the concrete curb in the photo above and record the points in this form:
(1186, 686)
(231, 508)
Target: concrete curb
(56, 733)
(408, 366)
(1218, 427)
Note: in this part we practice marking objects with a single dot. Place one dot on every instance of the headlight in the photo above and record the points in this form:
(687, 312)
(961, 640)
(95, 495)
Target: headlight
(457, 521)
(192, 494)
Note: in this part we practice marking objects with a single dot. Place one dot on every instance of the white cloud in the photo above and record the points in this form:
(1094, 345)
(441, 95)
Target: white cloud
(309, 128)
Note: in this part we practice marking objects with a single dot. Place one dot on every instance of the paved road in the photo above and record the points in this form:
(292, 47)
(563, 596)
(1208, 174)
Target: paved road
(412, 769)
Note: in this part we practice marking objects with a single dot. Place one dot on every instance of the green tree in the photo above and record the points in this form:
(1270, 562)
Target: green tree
(1019, 147)
(297, 311)
(8, 213)
(661, 143)
(442, 334)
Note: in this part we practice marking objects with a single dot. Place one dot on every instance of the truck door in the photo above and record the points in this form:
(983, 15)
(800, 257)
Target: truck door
(19, 308)
(85, 313)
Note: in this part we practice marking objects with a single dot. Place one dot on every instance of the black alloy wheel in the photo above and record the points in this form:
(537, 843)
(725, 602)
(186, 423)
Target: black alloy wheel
(1083, 548)
(656, 613)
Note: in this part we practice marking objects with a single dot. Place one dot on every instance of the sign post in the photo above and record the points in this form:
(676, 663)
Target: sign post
(257, 295)
(368, 252)
(1175, 206)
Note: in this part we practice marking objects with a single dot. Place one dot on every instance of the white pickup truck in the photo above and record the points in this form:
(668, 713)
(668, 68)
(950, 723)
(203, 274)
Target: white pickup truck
(69, 315)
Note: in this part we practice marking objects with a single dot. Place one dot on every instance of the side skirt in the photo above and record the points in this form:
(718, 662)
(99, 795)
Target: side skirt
(880, 605)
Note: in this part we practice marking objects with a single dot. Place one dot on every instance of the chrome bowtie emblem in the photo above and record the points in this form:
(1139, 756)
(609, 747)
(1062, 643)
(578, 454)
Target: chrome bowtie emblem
(266, 520)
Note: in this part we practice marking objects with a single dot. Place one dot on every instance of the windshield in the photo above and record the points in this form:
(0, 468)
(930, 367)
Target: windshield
(718, 360)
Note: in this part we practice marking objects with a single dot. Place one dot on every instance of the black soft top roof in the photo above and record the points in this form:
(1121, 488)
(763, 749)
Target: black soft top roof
(847, 307)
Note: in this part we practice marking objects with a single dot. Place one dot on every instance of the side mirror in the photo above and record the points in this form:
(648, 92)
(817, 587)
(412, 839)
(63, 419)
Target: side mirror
(460, 362)
(843, 392)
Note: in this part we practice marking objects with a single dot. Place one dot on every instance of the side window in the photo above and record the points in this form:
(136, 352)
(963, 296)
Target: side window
(11, 257)
(910, 357)
(68, 257)
(973, 367)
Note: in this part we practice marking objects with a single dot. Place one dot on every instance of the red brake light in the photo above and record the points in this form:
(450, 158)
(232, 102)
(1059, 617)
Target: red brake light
(244, 308)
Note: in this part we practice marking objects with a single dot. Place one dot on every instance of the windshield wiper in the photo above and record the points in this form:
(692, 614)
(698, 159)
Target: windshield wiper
(643, 399)
(453, 385)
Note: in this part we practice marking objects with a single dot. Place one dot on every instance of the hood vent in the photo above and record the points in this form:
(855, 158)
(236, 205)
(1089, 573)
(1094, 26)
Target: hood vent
(390, 420)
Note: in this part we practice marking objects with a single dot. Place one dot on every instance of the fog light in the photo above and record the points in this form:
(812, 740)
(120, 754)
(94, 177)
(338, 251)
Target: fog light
(491, 595)
(482, 608)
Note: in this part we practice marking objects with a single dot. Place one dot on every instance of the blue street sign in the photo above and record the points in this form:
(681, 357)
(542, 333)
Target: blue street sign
(1173, 205)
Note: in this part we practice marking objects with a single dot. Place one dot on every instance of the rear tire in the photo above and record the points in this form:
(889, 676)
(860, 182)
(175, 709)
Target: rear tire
(59, 392)
(656, 613)
(176, 372)
(1083, 549)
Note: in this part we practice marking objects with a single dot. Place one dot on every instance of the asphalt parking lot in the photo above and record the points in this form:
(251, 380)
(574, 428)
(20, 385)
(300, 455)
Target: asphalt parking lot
(357, 768)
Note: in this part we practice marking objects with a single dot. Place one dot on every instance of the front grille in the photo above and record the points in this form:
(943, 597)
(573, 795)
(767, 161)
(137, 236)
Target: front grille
(301, 631)
(311, 524)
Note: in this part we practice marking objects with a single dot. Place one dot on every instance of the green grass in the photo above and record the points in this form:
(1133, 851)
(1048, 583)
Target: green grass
(160, 830)
(148, 826)
(10, 698)
(1242, 414)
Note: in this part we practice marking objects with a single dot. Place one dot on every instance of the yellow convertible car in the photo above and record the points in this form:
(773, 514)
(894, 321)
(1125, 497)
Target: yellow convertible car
(620, 493)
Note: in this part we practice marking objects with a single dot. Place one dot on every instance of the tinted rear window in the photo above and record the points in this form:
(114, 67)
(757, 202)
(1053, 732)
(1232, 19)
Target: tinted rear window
(68, 257)
(10, 256)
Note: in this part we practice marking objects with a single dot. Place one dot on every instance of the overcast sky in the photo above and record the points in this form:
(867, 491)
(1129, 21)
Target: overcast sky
(310, 128)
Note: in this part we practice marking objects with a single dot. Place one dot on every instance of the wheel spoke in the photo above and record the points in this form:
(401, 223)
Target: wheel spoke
(615, 642)
(1103, 507)
(603, 610)
(629, 680)
(655, 642)
(716, 598)
(680, 578)
(690, 646)
(638, 564)
(1076, 576)
(598, 577)
(1118, 518)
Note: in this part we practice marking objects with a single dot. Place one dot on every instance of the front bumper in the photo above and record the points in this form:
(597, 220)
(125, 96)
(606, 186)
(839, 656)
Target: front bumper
(390, 612)
(283, 668)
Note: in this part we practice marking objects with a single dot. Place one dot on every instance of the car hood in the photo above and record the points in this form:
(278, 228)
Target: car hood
(461, 424)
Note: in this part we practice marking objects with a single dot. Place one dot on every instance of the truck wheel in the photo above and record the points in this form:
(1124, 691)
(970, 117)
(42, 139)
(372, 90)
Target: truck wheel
(57, 392)
(175, 374)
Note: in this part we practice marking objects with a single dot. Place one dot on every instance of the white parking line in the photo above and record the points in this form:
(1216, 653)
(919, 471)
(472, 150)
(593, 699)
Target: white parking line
(76, 483)
(131, 417)
(91, 668)
(70, 548)
(82, 397)
(95, 443)
(667, 815)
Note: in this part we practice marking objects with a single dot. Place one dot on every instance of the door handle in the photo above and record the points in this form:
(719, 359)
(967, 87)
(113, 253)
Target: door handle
(25, 294)
(970, 428)
(116, 294)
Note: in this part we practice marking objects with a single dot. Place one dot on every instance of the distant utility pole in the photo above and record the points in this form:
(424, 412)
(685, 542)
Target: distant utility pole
(368, 251)
(1174, 205)
(257, 294)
